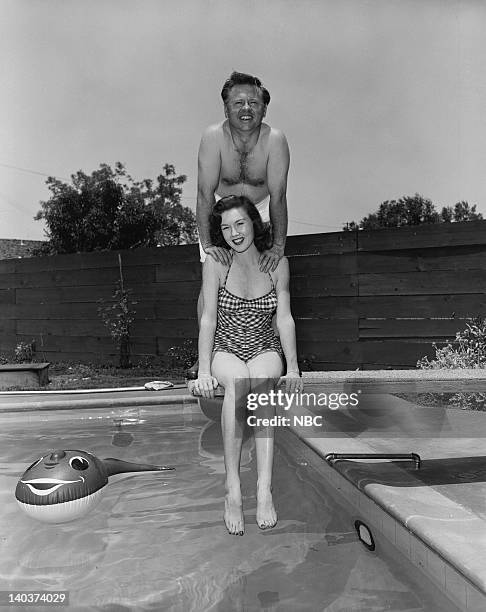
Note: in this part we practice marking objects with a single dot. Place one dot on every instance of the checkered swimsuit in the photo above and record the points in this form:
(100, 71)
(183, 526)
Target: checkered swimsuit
(244, 326)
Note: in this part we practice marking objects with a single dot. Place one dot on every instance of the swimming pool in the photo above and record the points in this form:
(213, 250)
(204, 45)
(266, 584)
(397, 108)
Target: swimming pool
(157, 541)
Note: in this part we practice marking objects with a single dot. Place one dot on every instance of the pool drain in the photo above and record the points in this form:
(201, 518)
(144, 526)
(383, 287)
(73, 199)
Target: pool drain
(364, 535)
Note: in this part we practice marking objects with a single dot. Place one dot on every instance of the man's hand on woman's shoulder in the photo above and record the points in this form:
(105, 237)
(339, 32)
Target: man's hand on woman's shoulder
(219, 254)
(270, 258)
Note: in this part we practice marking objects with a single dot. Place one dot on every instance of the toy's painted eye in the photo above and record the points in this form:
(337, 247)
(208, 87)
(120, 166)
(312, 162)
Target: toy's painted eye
(79, 463)
(34, 464)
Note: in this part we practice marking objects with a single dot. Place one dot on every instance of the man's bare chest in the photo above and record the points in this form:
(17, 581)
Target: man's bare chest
(244, 167)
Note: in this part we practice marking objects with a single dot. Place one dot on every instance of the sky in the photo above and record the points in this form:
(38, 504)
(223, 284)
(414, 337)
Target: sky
(378, 98)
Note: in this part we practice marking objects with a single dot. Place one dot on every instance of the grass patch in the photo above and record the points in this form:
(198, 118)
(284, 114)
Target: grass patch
(72, 376)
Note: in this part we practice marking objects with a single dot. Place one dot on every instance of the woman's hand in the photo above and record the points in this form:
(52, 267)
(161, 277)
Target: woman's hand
(204, 385)
(293, 382)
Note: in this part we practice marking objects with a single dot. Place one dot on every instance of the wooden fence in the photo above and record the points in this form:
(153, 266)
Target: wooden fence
(374, 299)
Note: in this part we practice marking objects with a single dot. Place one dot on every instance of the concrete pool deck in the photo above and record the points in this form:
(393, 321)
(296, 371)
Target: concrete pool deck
(435, 516)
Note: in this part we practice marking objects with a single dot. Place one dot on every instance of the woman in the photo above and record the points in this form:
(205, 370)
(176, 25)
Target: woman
(238, 348)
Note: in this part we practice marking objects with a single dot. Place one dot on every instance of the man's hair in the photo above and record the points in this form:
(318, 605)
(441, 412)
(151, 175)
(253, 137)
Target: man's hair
(240, 78)
(262, 233)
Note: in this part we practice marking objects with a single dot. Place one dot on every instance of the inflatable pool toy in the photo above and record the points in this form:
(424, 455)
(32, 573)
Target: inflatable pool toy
(66, 484)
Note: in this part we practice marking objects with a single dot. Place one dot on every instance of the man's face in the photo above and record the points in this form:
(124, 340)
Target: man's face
(245, 108)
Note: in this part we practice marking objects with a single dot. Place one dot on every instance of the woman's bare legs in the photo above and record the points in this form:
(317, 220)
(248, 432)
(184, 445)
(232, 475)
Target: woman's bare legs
(266, 367)
(232, 373)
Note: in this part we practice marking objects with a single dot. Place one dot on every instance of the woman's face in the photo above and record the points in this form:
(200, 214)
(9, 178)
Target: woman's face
(237, 229)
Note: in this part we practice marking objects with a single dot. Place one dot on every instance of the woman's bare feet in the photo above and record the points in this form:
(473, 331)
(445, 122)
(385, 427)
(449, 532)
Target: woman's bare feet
(233, 512)
(266, 516)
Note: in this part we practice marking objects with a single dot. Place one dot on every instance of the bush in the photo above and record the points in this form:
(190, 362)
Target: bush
(118, 317)
(25, 352)
(182, 356)
(467, 351)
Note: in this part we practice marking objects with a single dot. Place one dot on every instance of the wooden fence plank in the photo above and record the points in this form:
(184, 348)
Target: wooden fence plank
(49, 342)
(7, 326)
(69, 355)
(178, 270)
(423, 260)
(8, 342)
(175, 309)
(345, 330)
(410, 328)
(330, 366)
(63, 295)
(176, 328)
(155, 291)
(155, 256)
(79, 278)
(87, 311)
(431, 235)
(72, 261)
(63, 327)
(320, 265)
(7, 296)
(342, 307)
(101, 259)
(307, 265)
(423, 283)
(397, 353)
(329, 352)
(7, 266)
(95, 328)
(320, 244)
(426, 306)
(322, 286)
(182, 290)
(8, 280)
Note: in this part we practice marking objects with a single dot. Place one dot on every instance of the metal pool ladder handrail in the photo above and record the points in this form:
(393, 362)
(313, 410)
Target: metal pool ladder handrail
(406, 456)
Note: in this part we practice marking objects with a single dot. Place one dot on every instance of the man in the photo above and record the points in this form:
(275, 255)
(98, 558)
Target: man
(243, 156)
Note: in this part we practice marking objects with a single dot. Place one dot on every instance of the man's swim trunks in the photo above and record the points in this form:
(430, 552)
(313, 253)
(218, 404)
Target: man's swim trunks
(244, 326)
(263, 208)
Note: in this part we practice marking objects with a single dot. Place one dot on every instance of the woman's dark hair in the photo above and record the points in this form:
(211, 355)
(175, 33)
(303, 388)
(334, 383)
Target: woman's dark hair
(262, 237)
(240, 78)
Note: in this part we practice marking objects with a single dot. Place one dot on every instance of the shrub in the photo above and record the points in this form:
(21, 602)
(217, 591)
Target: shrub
(25, 352)
(117, 317)
(182, 356)
(467, 351)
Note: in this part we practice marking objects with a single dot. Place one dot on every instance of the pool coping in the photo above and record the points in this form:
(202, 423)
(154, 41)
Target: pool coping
(115, 399)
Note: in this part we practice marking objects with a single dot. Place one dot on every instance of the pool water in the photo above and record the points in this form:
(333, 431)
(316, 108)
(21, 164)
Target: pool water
(157, 541)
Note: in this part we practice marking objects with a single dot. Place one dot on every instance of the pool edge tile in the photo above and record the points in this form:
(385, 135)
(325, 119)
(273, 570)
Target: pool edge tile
(389, 527)
(455, 586)
(402, 541)
(436, 568)
(419, 553)
(475, 599)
